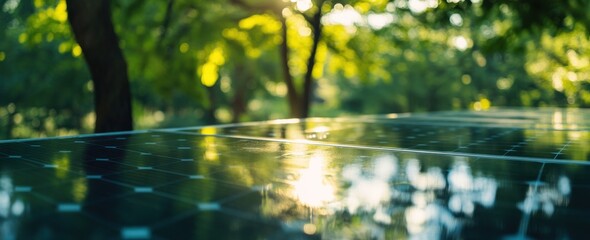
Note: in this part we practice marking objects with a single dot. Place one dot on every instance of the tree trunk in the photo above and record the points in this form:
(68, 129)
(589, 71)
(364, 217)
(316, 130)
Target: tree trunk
(316, 26)
(10, 124)
(93, 29)
(292, 96)
(240, 98)
(210, 117)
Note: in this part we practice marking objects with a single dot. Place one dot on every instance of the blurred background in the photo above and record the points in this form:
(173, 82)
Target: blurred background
(195, 62)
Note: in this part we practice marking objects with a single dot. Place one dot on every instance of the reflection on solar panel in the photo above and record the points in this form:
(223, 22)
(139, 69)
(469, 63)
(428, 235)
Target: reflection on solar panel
(503, 173)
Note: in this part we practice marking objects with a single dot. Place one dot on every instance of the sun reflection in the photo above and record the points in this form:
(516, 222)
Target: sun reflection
(543, 197)
(433, 179)
(370, 190)
(321, 132)
(308, 194)
(428, 222)
(468, 190)
(558, 123)
(209, 144)
(378, 194)
(62, 164)
(426, 218)
(80, 189)
(208, 131)
(309, 228)
(312, 188)
(11, 208)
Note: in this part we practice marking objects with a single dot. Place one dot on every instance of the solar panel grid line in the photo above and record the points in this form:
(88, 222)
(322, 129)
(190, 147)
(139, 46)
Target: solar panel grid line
(165, 222)
(236, 196)
(142, 179)
(524, 225)
(212, 180)
(230, 183)
(509, 158)
(366, 118)
(147, 204)
(117, 162)
(27, 161)
(246, 215)
(175, 197)
(97, 200)
(101, 223)
(143, 152)
(562, 148)
(536, 126)
(174, 173)
(129, 186)
(88, 135)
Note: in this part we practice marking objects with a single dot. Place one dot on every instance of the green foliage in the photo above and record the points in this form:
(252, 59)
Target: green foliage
(193, 62)
(44, 84)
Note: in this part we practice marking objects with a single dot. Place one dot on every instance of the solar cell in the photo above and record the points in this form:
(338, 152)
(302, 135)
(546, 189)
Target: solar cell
(495, 174)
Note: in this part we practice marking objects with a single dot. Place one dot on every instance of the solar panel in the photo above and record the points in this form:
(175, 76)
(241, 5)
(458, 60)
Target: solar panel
(502, 173)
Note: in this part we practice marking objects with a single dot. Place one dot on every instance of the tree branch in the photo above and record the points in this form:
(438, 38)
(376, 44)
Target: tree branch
(166, 22)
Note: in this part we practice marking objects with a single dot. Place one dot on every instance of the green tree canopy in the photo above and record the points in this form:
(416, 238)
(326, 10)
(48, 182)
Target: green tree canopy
(196, 62)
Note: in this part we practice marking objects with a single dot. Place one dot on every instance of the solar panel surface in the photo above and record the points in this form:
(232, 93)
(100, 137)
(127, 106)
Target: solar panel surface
(503, 173)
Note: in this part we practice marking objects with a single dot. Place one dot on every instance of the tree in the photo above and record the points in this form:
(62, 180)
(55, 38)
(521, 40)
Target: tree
(243, 60)
(552, 35)
(299, 99)
(93, 29)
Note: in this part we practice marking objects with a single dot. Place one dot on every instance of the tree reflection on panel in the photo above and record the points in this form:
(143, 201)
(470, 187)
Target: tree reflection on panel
(381, 197)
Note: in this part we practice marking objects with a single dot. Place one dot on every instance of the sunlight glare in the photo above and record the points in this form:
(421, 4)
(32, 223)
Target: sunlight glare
(379, 21)
(544, 197)
(309, 229)
(456, 19)
(415, 217)
(431, 180)
(557, 82)
(303, 5)
(10, 6)
(428, 222)
(311, 188)
(558, 122)
(564, 186)
(461, 43)
(346, 16)
(5, 192)
(320, 132)
(419, 6)
(369, 190)
(460, 177)
(18, 207)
